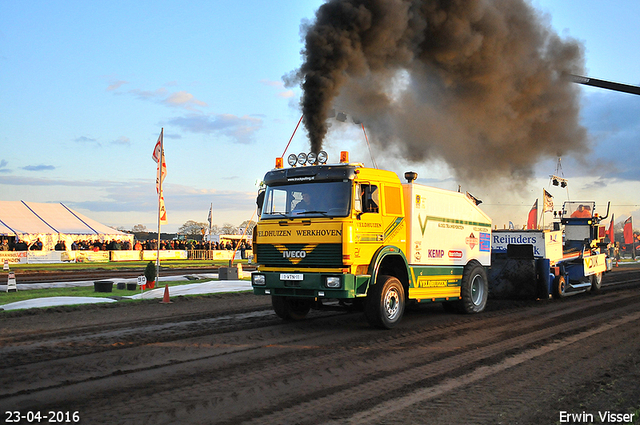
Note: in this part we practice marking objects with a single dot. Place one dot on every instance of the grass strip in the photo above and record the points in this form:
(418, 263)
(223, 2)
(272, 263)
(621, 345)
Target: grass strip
(164, 264)
(83, 291)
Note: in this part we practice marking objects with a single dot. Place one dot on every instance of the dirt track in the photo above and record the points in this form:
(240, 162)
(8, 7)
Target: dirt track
(229, 360)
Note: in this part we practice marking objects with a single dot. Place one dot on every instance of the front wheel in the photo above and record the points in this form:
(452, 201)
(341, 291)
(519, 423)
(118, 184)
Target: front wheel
(290, 308)
(559, 287)
(385, 303)
(474, 289)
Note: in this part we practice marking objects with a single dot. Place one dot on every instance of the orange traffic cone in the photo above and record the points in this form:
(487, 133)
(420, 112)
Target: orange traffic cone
(165, 299)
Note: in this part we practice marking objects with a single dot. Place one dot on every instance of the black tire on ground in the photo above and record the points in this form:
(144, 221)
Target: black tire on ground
(385, 303)
(559, 287)
(474, 288)
(596, 282)
(290, 308)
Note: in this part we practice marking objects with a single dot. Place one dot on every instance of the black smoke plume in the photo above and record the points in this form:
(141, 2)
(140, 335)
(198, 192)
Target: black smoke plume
(479, 84)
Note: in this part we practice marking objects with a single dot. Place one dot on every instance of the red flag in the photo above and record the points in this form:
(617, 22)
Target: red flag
(628, 231)
(610, 231)
(532, 220)
(161, 170)
(158, 156)
(157, 150)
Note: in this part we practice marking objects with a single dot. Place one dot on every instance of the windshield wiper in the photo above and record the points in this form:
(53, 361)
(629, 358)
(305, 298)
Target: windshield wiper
(313, 212)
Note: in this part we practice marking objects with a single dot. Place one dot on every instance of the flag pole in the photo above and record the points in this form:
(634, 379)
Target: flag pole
(544, 206)
(160, 166)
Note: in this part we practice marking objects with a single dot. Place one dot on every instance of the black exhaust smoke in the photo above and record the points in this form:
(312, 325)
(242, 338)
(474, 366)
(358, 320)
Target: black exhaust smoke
(480, 84)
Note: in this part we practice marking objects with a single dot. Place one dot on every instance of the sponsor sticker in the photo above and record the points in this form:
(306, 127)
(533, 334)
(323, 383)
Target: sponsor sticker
(435, 253)
(485, 242)
(472, 241)
(455, 254)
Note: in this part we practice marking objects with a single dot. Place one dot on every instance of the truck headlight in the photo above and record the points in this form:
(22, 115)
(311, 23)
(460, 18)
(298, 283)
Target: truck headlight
(258, 280)
(332, 282)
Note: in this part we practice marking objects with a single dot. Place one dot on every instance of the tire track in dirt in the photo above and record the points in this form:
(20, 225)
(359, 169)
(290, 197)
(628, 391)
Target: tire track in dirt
(285, 365)
(264, 370)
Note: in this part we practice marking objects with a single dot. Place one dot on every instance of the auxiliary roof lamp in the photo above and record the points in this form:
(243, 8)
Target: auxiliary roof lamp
(307, 159)
(558, 181)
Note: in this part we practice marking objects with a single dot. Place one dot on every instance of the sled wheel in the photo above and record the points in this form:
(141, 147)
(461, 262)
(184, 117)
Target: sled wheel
(385, 303)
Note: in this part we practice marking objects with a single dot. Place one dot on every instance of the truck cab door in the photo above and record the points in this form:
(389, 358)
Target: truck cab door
(369, 232)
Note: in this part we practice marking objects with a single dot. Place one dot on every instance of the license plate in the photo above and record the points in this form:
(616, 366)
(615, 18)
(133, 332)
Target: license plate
(290, 276)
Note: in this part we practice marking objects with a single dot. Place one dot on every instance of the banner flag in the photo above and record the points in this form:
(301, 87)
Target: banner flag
(532, 220)
(610, 231)
(157, 150)
(628, 231)
(548, 201)
(210, 217)
(163, 211)
(161, 171)
(158, 156)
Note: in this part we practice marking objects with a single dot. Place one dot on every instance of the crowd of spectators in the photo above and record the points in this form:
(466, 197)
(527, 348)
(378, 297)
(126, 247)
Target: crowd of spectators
(11, 244)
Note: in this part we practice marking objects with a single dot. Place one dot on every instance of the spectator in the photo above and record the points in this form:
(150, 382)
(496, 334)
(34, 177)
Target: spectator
(21, 245)
(36, 246)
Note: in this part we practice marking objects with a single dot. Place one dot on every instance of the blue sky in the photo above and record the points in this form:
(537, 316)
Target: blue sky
(85, 88)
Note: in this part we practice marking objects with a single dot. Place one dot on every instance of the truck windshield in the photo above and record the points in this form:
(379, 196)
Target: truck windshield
(319, 199)
(576, 209)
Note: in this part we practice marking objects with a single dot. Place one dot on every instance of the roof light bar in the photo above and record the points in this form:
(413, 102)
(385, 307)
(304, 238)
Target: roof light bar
(302, 158)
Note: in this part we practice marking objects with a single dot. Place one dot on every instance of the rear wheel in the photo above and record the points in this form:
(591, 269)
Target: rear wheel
(559, 287)
(290, 308)
(474, 288)
(385, 303)
(596, 282)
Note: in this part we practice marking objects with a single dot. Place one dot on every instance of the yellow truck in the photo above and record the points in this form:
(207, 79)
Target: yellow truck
(358, 235)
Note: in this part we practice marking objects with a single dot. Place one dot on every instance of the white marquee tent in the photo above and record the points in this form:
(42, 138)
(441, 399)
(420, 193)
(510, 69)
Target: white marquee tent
(51, 223)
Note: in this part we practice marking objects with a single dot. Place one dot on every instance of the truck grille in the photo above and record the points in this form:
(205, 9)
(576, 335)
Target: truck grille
(301, 255)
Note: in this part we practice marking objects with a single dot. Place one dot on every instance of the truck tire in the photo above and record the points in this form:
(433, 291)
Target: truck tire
(596, 282)
(559, 287)
(385, 303)
(474, 288)
(290, 308)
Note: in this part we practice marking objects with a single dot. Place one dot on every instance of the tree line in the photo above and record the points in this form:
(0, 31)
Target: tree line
(195, 228)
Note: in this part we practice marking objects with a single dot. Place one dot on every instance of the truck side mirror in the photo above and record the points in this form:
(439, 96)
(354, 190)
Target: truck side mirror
(260, 200)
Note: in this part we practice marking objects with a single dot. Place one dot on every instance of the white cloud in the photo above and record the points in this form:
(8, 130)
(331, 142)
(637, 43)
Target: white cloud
(116, 85)
(40, 167)
(183, 99)
(239, 129)
(286, 94)
(277, 84)
(122, 141)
